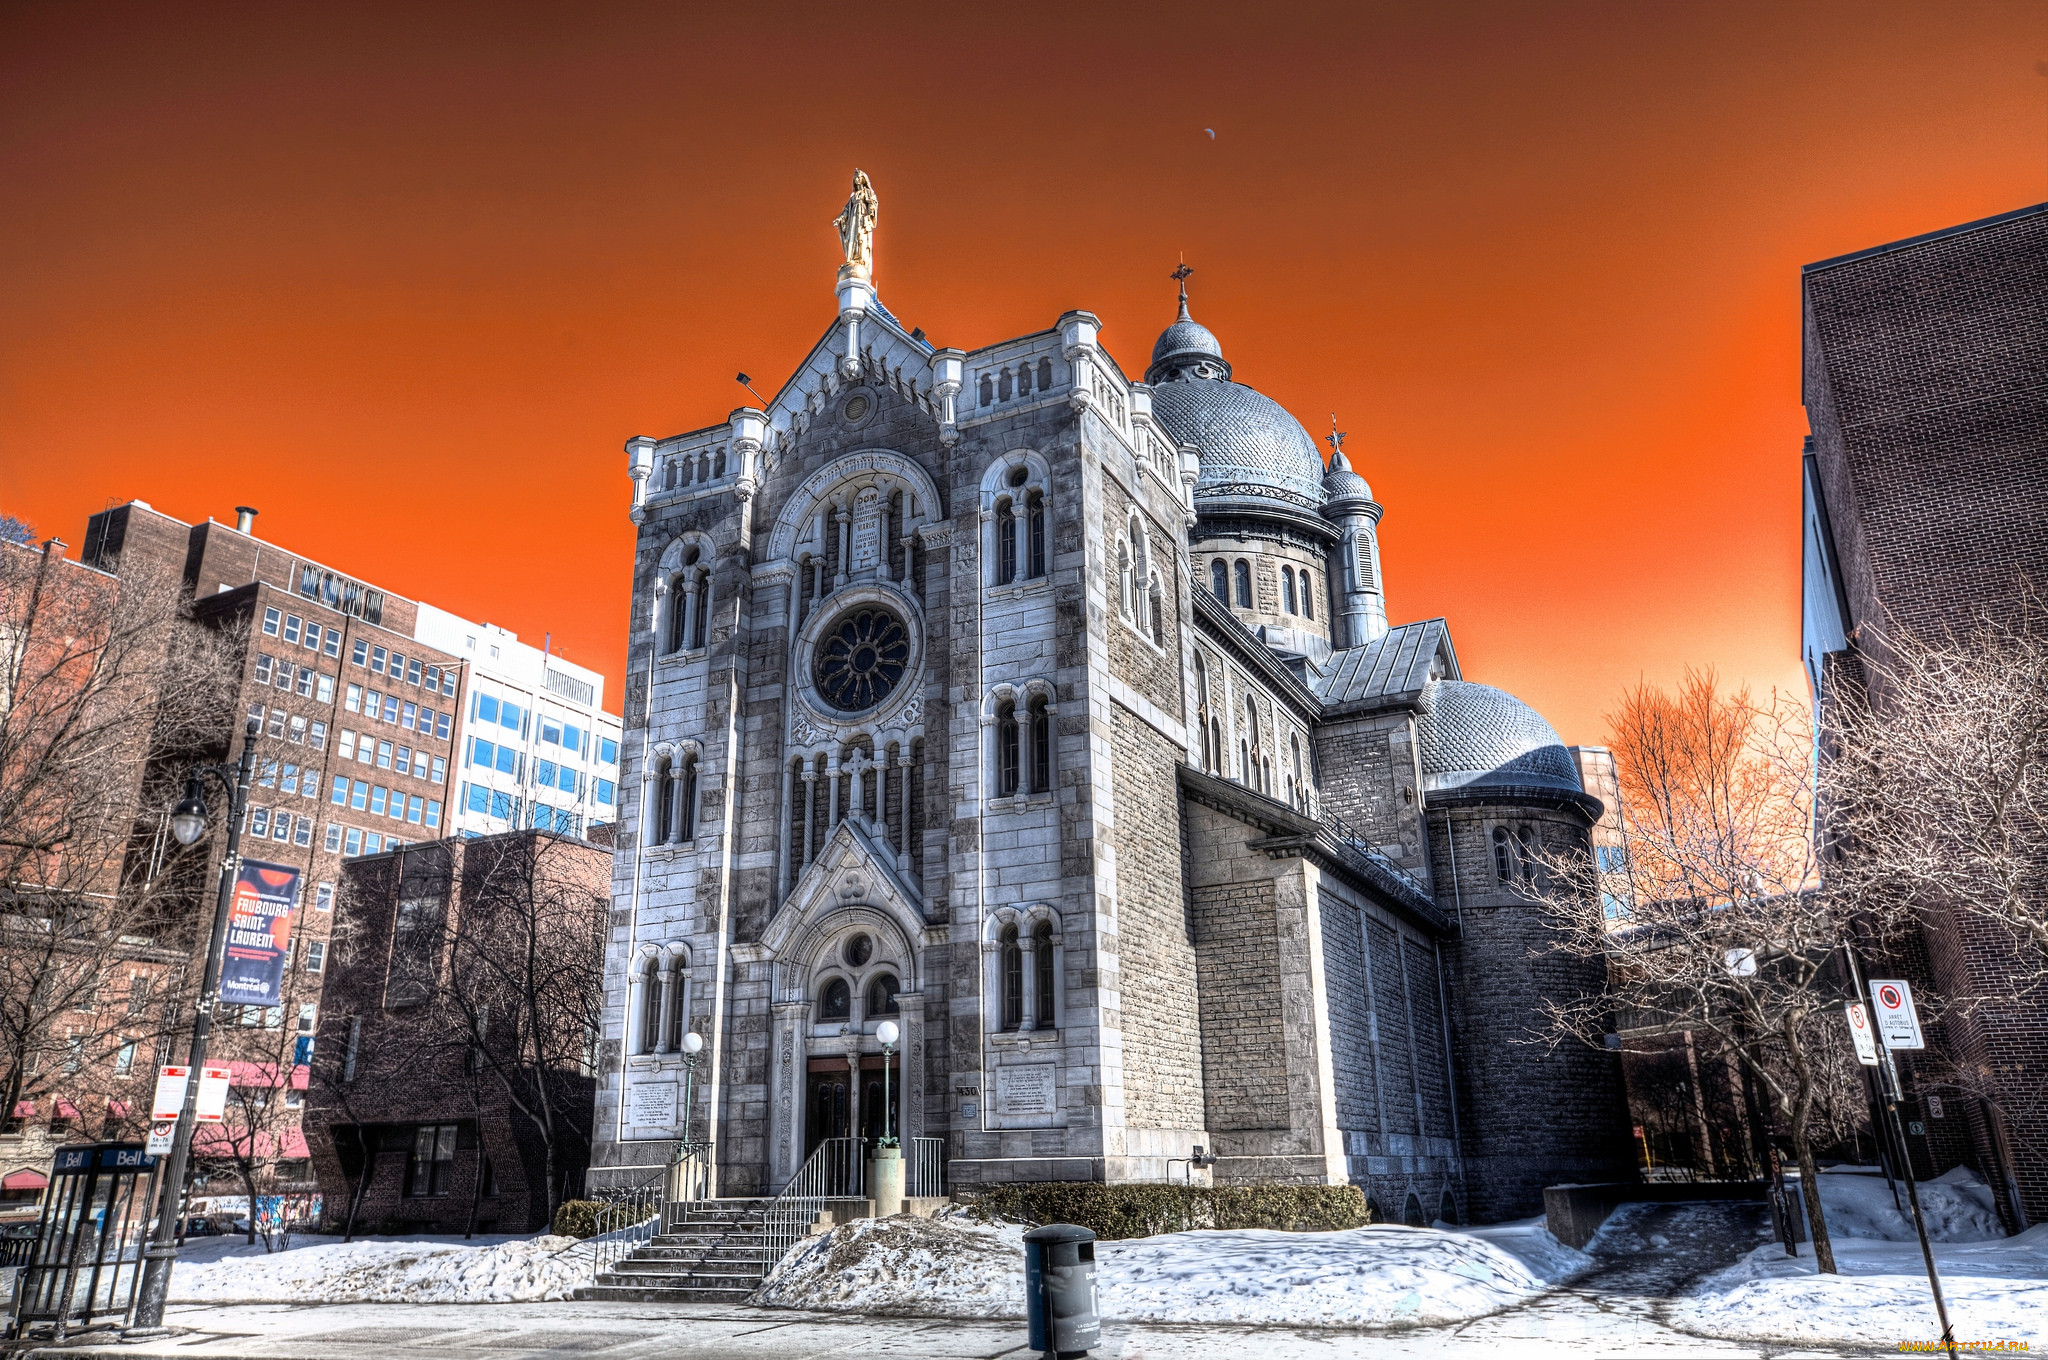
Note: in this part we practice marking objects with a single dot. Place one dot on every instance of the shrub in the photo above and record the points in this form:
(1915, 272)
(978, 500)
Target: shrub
(589, 1217)
(1116, 1211)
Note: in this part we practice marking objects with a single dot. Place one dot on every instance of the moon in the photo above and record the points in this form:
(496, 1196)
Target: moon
(1211, 132)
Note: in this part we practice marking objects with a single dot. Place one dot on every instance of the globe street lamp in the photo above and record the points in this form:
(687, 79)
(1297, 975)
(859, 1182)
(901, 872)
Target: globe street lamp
(188, 824)
(887, 1032)
(693, 1044)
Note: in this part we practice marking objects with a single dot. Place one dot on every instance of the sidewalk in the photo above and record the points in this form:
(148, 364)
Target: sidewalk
(1563, 1324)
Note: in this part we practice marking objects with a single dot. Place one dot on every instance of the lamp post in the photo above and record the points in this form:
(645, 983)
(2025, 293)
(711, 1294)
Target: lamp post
(887, 1032)
(693, 1044)
(188, 824)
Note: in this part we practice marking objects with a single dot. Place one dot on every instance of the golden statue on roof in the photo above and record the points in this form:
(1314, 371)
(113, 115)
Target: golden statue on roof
(856, 227)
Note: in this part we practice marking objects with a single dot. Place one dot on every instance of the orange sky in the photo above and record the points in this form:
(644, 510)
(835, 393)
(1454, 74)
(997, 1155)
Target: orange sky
(406, 277)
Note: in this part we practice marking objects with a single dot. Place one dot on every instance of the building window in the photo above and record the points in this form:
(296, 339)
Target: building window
(1041, 746)
(1219, 581)
(1308, 597)
(882, 996)
(1528, 849)
(1041, 946)
(1287, 599)
(323, 896)
(1006, 749)
(124, 1058)
(431, 1167)
(316, 956)
(1013, 979)
(1244, 584)
(1006, 542)
(836, 1001)
(1035, 517)
(1503, 856)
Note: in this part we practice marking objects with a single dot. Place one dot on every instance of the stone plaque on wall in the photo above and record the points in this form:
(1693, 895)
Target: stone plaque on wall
(652, 1104)
(1025, 1089)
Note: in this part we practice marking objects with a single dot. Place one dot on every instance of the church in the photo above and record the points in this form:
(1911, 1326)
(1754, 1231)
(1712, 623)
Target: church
(1053, 716)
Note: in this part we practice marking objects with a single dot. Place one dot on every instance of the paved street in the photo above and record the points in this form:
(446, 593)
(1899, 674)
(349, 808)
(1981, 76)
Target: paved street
(1618, 1310)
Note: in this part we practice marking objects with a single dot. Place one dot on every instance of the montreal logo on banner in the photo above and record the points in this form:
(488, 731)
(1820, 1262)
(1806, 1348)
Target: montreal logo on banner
(259, 934)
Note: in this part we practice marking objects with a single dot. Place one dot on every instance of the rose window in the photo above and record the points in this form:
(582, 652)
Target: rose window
(861, 658)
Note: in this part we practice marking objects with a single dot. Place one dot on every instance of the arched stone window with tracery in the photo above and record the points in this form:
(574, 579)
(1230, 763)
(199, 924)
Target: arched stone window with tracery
(1219, 580)
(1012, 971)
(1041, 951)
(1244, 584)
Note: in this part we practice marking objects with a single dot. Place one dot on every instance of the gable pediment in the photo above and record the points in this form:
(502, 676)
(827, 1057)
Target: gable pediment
(853, 879)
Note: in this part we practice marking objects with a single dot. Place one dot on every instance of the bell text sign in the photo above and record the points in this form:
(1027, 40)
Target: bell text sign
(1897, 1021)
(1859, 1030)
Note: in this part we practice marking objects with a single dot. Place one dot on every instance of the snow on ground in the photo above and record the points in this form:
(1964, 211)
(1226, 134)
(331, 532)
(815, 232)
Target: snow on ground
(1367, 1276)
(381, 1270)
(1996, 1287)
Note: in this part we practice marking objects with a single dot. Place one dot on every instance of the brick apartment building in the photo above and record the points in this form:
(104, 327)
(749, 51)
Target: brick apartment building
(356, 720)
(422, 1041)
(1926, 501)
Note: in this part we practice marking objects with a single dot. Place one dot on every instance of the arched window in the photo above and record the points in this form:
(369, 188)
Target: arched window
(1300, 789)
(1155, 609)
(650, 1010)
(698, 630)
(1006, 542)
(1308, 597)
(664, 803)
(1219, 580)
(1041, 948)
(668, 475)
(1123, 579)
(882, 996)
(1251, 723)
(1024, 379)
(1013, 979)
(1244, 584)
(1035, 516)
(1041, 746)
(835, 1002)
(986, 391)
(1044, 374)
(1140, 572)
(1003, 385)
(1006, 749)
(679, 1011)
(1503, 856)
(686, 829)
(1287, 590)
(1528, 848)
(718, 464)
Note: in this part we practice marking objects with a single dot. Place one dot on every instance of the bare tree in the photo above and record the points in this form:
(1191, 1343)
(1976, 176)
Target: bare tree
(1935, 801)
(524, 991)
(106, 690)
(1728, 934)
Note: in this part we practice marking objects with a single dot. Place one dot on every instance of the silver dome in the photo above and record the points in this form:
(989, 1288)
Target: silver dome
(1186, 349)
(1341, 483)
(1249, 445)
(1475, 736)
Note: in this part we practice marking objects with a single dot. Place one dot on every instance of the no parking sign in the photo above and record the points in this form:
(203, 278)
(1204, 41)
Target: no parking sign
(1897, 1021)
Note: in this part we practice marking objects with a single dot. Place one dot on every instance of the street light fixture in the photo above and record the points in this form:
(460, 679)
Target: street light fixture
(188, 824)
(887, 1033)
(693, 1044)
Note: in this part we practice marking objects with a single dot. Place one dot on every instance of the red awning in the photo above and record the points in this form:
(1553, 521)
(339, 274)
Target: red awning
(24, 1109)
(253, 1074)
(301, 1077)
(66, 1110)
(24, 1180)
(117, 1108)
(295, 1143)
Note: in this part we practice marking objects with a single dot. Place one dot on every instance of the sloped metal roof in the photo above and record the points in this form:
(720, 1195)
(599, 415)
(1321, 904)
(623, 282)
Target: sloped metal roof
(1394, 665)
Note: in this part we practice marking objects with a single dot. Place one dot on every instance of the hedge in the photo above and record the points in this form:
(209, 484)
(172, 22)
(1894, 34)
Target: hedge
(579, 1217)
(1114, 1211)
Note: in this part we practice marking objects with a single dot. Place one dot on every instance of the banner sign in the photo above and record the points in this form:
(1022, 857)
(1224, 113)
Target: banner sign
(213, 1094)
(1859, 1032)
(1897, 1021)
(169, 1101)
(259, 934)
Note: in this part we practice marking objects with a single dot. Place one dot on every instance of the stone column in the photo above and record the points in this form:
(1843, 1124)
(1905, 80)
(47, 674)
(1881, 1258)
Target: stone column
(1027, 947)
(832, 792)
(636, 1009)
(803, 840)
(903, 777)
(686, 632)
(853, 1094)
(910, 1103)
(661, 1017)
(844, 519)
(785, 1150)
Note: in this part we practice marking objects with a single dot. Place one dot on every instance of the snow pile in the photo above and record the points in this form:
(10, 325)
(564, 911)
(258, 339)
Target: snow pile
(1996, 1287)
(1367, 1276)
(1958, 1207)
(502, 1270)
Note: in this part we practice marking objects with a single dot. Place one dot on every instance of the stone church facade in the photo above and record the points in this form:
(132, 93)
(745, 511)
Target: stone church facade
(1055, 716)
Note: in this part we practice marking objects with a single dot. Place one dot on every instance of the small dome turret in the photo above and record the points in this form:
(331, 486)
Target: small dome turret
(1340, 483)
(1476, 736)
(1187, 349)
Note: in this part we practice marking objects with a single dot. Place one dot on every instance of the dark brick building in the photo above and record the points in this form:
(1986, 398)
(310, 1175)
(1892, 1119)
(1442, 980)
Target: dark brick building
(428, 1077)
(1926, 501)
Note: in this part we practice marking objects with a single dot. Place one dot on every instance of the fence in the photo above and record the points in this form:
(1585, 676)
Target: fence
(925, 1174)
(837, 1170)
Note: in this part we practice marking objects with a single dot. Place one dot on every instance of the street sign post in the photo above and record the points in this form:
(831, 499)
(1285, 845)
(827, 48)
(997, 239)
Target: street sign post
(1897, 1021)
(1859, 1032)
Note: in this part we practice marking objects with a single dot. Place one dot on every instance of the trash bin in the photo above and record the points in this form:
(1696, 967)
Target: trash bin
(1059, 1289)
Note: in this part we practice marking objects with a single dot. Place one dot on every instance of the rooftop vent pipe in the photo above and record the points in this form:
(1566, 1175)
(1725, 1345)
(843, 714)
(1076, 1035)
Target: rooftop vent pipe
(245, 519)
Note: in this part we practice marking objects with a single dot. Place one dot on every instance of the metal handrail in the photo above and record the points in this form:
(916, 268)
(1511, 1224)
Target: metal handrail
(629, 1218)
(1341, 831)
(837, 1170)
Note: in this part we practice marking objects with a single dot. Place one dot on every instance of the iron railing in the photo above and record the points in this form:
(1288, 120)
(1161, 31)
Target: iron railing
(628, 1218)
(924, 1176)
(837, 1170)
(1342, 831)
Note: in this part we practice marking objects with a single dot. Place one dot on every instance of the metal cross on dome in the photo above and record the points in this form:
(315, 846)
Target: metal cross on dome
(1180, 276)
(1335, 438)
